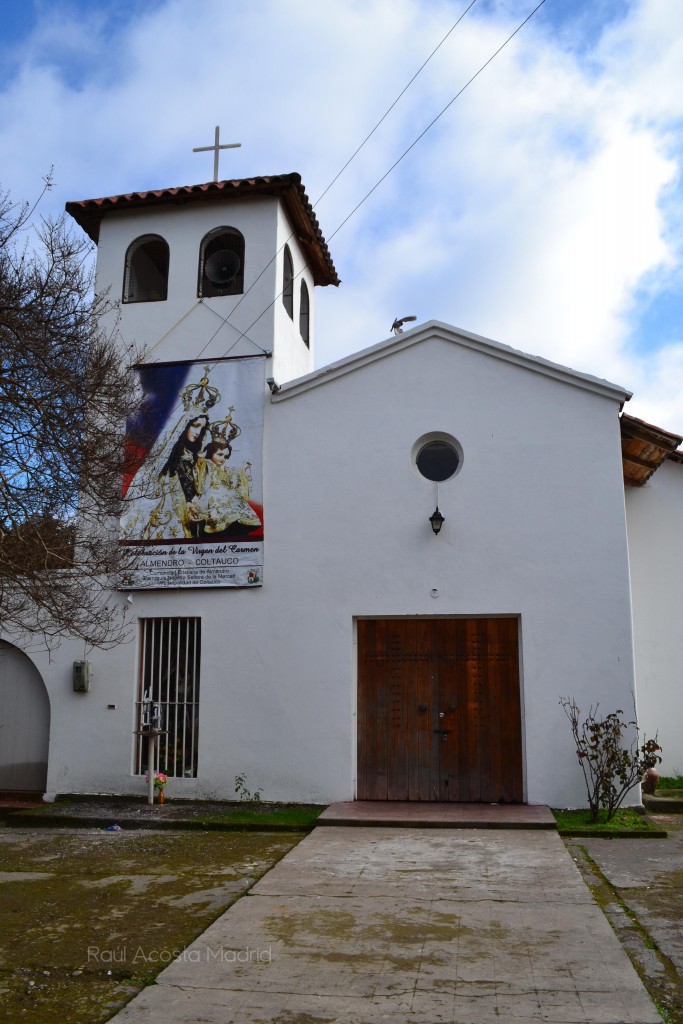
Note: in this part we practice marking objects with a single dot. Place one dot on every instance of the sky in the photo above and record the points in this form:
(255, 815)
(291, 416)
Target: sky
(543, 209)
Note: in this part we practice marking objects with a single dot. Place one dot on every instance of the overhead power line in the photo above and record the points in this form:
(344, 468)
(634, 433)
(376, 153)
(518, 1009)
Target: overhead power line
(339, 174)
(411, 146)
(245, 334)
(433, 122)
(389, 109)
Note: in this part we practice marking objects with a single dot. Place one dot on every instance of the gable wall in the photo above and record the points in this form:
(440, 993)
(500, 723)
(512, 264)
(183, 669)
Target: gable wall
(534, 527)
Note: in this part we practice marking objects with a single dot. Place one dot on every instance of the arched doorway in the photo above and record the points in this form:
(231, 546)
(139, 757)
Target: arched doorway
(24, 723)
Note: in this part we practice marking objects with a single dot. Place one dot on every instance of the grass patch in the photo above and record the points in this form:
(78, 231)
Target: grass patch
(663, 1012)
(244, 814)
(670, 782)
(292, 815)
(626, 819)
(671, 786)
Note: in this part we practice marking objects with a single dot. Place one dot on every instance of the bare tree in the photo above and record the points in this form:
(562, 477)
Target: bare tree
(65, 395)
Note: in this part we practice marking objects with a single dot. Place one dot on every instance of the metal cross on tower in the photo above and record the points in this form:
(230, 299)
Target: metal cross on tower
(215, 148)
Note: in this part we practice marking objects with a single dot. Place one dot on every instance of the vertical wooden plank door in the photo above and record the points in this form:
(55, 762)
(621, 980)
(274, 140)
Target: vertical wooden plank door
(439, 713)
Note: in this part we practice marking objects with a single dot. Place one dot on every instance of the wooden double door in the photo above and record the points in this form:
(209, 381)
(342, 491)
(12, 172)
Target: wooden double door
(439, 713)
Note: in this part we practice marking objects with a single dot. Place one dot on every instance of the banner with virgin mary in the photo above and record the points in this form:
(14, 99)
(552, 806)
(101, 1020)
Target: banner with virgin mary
(193, 488)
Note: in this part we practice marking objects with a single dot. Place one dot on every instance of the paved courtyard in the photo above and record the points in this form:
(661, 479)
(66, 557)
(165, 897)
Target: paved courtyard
(366, 924)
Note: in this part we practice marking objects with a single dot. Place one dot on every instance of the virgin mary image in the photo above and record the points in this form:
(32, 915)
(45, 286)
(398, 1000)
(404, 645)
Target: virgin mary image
(182, 489)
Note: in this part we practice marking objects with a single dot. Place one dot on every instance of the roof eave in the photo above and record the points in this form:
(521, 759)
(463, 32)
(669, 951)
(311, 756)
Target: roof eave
(644, 447)
(89, 213)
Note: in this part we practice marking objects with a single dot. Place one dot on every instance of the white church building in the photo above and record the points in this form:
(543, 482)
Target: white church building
(374, 580)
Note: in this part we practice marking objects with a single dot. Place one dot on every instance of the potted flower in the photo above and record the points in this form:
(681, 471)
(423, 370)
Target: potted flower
(160, 781)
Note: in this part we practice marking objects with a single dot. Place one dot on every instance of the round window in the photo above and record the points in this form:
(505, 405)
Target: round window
(437, 460)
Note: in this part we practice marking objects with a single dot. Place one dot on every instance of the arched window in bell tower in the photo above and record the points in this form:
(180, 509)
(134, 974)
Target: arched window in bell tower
(305, 315)
(221, 263)
(288, 283)
(145, 276)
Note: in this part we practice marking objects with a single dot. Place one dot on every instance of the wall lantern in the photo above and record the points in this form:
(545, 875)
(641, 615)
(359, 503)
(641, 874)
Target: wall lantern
(437, 520)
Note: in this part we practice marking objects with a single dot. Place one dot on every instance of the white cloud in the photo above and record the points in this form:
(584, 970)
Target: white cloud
(543, 209)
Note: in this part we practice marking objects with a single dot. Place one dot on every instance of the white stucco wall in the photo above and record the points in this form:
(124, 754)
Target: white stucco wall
(534, 528)
(293, 358)
(654, 516)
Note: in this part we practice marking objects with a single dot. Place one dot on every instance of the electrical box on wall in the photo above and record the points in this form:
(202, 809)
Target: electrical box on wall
(81, 676)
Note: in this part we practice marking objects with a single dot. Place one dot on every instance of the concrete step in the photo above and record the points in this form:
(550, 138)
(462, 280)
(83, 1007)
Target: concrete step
(400, 814)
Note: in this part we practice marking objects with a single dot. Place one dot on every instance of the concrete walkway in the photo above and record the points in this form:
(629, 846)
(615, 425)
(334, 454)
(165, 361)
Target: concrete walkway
(359, 925)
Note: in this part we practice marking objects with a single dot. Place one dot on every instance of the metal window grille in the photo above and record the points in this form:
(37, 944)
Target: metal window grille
(146, 270)
(168, 694)
(305, 315)
(288, 283)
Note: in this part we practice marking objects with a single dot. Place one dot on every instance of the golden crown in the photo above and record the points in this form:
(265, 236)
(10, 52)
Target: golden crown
(225, 429)
(200, 397)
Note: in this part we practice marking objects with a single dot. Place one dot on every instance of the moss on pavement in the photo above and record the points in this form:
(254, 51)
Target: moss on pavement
(90, 916)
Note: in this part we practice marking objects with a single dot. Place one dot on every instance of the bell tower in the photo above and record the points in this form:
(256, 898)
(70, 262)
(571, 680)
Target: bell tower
(200, 272)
